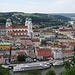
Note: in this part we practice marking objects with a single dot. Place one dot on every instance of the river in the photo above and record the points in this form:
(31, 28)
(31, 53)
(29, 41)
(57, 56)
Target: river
(57, 69)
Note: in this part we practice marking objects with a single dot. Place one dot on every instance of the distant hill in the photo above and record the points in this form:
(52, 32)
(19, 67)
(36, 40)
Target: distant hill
(40, 20)
(68, 14)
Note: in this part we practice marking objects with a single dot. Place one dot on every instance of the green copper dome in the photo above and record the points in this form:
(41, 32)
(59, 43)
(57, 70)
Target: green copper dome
(8, 20)
(28, 19)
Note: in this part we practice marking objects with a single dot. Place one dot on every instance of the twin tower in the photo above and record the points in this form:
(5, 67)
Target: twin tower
(28, 23)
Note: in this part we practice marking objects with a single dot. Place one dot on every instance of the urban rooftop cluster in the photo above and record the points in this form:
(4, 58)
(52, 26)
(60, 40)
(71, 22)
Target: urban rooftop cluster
(35, 44)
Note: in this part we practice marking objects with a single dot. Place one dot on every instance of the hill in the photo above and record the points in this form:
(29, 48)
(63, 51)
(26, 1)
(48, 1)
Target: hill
(68, 14)
(40, 20)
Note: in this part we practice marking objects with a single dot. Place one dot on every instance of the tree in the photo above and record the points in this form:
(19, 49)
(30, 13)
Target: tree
(70, 67)
(67, 65)
(43, 42)
(69, 71)
(4, 71)
(51, 72)
(21, 57)
(35, 72)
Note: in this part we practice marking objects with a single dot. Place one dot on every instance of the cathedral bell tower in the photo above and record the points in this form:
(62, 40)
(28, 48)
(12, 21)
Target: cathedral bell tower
(28, 23)
(8, 26)
(8, 23)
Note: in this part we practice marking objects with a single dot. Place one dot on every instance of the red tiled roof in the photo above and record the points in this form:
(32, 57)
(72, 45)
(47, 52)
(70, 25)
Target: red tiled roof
(67, 51)
(71, 43)
(26, 42)
(9, 27)
(2, 55)
(47, 31)
(2, 27)
(59, 45)
(14, 57)
(66, 29)
(73, 36)
(35, 40)
(63, 46)
(55, 45)
(62, 42)
(20, 27)
(49, 44)
(15, 27)
(19, 53)
(44, 52)
(36, 30)
(20, 35)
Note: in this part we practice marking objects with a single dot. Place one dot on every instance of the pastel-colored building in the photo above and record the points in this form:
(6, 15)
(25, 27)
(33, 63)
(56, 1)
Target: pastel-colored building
(5, 45)
(43, 53)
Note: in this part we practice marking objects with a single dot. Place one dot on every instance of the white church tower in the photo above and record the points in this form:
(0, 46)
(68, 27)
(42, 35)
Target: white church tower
(8, 23)
(28, 23)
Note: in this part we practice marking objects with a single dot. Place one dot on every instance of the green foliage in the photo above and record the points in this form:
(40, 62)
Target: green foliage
(56, 27)
(4, 71)
(50, 72)
(69, 71)
(43, 42)
(35, 72)
(21, 57)
(70, 67)
(43, 20)
(67, 65)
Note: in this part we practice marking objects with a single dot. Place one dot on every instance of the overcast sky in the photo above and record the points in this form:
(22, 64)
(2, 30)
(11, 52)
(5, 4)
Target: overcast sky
(38, 6)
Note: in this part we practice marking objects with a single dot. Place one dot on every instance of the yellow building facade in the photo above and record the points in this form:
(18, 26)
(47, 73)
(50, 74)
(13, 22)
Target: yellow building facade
(5, 46)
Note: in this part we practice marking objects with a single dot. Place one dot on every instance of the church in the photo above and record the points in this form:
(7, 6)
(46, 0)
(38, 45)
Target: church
(19, 31)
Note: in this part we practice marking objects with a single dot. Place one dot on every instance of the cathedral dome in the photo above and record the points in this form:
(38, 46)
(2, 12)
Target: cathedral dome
(8, 20)
(28, 19)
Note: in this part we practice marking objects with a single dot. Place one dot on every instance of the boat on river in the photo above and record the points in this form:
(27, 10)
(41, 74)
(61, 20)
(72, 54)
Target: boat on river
(31, 66)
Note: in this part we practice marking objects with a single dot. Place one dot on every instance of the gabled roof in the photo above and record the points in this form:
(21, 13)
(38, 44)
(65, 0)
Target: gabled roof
(36, 30)
(44, 52)
(20, 53)
(14, 57)
(47, 31)
(2, 27)
(35, 40)
(67, 51)
(67, 29)
(26, 42)
(15, 27)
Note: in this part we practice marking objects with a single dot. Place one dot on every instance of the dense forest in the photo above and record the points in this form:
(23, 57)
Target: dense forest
(40, 20)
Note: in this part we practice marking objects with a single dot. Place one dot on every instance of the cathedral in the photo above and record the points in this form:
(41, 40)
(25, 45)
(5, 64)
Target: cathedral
(19, 31)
